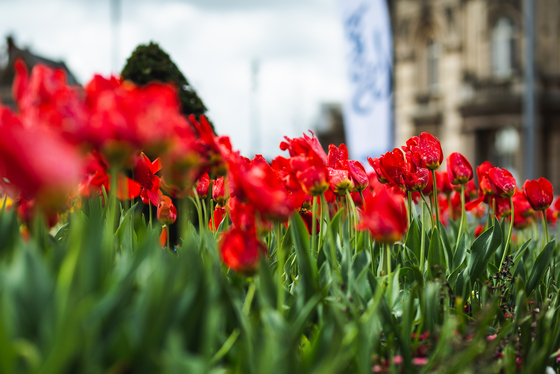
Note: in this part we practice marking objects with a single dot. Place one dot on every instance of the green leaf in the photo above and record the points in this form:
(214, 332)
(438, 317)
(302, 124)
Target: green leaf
(305, 258)
(539, 267)
(482, 251)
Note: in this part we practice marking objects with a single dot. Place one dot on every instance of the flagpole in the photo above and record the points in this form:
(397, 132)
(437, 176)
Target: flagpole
(529, 94)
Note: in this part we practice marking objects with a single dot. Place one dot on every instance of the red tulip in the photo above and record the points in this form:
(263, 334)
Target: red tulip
(393, 167)
(203, 186)
(213, 149)
(339, 181)
(539, 193)
(220, 192)
(551, 217)
(503, 181)
(416, 177)
(503, 207)
(258, 184)
(384, 217)
(429, 189)
(358, 175)
(459, 169)
(166, 211)
(443, 183)
(376, 165)
(427, 148)
(305, 146)
(311, 173)
(478, 230)
(144, 173)
(338, 159)
(521, 205)
(241, 251)
(216, 219)
(38, 162)
(486, 185)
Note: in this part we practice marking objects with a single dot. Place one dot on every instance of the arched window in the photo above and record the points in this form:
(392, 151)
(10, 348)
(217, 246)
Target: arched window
(432, 64)
(503, 47)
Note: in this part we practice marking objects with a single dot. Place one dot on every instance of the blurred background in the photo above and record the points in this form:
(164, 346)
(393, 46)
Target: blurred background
(482, 75)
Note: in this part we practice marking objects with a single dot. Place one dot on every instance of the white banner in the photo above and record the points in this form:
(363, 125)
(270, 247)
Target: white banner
(368, 112)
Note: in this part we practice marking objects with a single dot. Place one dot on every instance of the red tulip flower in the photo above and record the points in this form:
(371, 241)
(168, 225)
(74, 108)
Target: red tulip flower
(220, 192)
(203, 186)
(241, 251)
(416, 177)
(427, 148)
(144, 173)
(503, 207)
(503, 181)
(39, 163)
(385, 217)
(478, 230)
(358, 175)
(339, 181)
(216, 219)
(166, 211)
(484, 182)
(311, 173)
(459, 169)
(259, 185)
(376, 165)
(539, 193)
(338, 159)
(521, 205)
(443, 183)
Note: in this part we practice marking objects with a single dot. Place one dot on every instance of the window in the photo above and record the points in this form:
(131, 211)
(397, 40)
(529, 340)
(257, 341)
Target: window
(503, 44)
(507, 145)
(433, 58)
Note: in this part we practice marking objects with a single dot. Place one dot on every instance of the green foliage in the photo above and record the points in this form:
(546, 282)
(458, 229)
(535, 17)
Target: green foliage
(89, 298)
(150, 63)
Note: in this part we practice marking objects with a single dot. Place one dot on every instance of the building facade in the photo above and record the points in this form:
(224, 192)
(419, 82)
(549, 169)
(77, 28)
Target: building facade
(459, 75)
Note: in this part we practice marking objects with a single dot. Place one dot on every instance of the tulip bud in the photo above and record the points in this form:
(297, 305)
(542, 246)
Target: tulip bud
(459, 169)
(202, 186)
(166, 211)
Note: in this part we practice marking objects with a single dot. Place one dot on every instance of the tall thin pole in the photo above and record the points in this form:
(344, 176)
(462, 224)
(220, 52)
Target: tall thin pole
(255, 130)
(115, 24)
(529, 94)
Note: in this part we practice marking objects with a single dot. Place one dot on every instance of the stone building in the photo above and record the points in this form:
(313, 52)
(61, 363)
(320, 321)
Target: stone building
(7, 72)
(459, 75)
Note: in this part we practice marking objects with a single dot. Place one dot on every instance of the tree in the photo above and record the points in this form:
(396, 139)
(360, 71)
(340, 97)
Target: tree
(150, 63)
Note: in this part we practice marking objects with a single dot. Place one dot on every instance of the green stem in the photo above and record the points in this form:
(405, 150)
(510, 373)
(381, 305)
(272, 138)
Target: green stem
(354, 217)
(325, 210)
(167, 229)
(435, 198)
(150, 205)
(545, 226)
(462, 215)
(429, 209)
(281, 260)
(508, 239)
(314, 226)
(409, 201)
(249, 298)
(388, 258)
(488, 216)
(199, 210)
(422, 244)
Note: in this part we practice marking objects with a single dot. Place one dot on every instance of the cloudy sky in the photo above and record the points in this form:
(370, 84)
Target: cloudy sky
(298, 44)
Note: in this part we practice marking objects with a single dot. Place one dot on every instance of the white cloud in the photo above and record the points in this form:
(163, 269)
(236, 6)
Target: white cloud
(299, 45)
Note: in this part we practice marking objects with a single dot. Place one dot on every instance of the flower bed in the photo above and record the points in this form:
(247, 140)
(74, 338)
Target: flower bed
(304, 264)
